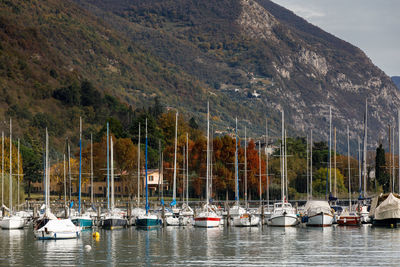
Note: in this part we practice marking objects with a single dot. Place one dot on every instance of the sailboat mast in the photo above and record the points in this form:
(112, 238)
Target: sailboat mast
(147, 197)
(112, 171)
(266, 160)
(2, 168)
(18, 174)
(282, 158)
(334, 162)
(80, 164)
(69, 171)
(393, 167)
(10, 194)
(348, 164)
(184, 173)
(311, 164)
(359, 165)
(245, 166)
(91, 169)
(398, 156)
(65, 183)
(307, 171)
(176, 144)
(187, 169)
(365, 148)
(208, 152)
(47, 172)
(138, 171)
(236, 167)
(108, 169)
(330, 148)
(162, 177)
(286, 172)
(259, 171)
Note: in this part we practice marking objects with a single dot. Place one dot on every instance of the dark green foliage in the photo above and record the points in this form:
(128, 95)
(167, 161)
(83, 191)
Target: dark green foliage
(193, 124)
(320, 154)
(70, 95)
(380, 169)
(32, 166)
(90, 96)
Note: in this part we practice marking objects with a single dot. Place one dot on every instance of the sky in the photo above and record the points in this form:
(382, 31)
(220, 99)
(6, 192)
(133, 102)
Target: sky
(371, 25)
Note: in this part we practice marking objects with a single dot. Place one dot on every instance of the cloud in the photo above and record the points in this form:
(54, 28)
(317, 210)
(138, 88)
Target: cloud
(305, 12)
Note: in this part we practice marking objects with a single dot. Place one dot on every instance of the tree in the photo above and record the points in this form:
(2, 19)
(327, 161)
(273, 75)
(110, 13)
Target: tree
(319, 181)
(32, 166)
(380, 169)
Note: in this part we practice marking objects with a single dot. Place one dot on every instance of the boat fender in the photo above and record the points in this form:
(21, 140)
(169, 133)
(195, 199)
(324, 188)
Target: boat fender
(96, 235)
(45, 229)
(88, 248)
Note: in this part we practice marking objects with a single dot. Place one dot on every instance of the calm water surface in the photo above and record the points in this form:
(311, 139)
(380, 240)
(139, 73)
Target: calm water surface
(336, 246)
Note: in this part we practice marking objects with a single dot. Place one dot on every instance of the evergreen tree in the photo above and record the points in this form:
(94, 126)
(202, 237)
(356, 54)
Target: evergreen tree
(380, 173)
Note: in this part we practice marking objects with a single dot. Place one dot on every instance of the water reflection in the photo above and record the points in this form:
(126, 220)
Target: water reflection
(189, 246)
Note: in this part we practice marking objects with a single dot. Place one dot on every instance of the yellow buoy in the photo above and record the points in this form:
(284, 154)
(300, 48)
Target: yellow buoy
(96, 235)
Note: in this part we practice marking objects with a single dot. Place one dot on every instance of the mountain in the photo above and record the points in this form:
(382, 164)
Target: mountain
(236, 47)
(59, 62)
(396, 80)
(249, 58)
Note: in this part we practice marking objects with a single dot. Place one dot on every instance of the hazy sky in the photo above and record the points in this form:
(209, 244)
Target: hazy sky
(372, 25)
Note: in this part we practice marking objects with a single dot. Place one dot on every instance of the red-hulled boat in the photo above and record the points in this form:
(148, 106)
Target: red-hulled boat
(349, 219)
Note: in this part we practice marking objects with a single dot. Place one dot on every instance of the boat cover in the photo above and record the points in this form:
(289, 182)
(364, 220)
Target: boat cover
(317, 206)
(388, 209)
(65, 225)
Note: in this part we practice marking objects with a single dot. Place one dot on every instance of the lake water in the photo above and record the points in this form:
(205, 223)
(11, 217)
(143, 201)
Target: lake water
(335, 246)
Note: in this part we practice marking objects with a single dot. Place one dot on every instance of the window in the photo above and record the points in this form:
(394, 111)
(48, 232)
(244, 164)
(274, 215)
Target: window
(151, 178)
(100, 189)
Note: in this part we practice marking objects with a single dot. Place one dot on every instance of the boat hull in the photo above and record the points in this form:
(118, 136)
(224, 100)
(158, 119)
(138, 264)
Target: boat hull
(246, 221)
(283, 220)
(148, 223)
(207, 222)
(392, 222)
(320, 220)
(83, 223)
(349, 220)
(114, 223)
(56, 235)
(12, 223)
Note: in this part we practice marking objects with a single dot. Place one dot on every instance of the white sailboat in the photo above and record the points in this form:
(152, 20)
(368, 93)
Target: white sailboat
(113, 218)
(148, 220)
(172, 216)
(283, 214)
(138, 211)
(207, 216)
(319, 212)
(48, 226)
(12, 221)
(240, 216)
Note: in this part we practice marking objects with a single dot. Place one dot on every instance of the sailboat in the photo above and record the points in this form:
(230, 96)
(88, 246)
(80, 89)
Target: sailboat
(186, 212)
(82, 220)
(48, 226)
(138, 211)
(240, 216)
(283, 214)
(319, 212)
(12, 221)
(349, 217)
(207, 216)
(362, 208)
(172, 216)
(147, 220)
(113, 218)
